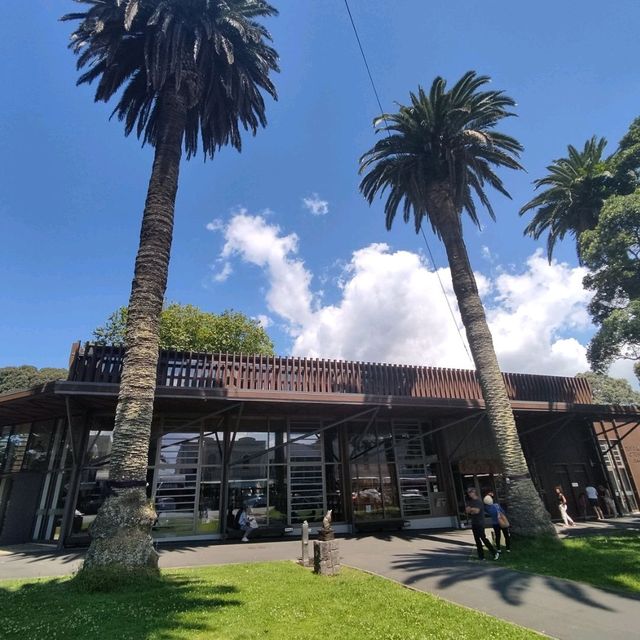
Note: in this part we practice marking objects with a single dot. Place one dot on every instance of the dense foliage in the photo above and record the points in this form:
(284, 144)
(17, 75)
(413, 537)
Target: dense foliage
(187, 328)
(612, 253)
(608, 390)
(25, 376)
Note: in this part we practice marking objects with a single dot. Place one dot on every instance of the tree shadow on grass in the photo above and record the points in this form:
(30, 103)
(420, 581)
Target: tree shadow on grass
(171, 608)
(455, 567)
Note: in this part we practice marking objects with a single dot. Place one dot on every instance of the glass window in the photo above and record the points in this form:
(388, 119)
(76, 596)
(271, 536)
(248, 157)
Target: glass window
(277, 498)
(374, 485)
(209, 508)
(248, 486)
(15, 446)
(250, 447)
(36, 455)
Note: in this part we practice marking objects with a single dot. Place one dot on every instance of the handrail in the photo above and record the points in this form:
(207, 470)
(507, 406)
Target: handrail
(186, 369)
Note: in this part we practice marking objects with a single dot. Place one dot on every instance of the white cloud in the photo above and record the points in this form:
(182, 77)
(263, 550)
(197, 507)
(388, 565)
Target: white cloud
(215, 225)
(391, 307)
(263, 320)
(531, 314)
(221, 276)
(259, 243)
(317, 206)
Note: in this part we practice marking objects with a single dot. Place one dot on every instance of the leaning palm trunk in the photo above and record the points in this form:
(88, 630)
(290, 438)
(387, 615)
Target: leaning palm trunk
(121, 532)
(526, 511)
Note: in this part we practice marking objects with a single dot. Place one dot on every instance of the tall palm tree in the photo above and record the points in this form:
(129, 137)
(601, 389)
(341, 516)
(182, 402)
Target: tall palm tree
(577, 186)
(436, 155)
(185, 70)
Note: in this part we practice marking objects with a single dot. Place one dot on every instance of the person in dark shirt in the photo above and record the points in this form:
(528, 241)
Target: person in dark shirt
(475, 510)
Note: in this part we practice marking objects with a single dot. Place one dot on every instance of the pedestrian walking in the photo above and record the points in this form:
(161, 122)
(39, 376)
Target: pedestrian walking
(562, 506)
(475, 510)
(499, 522)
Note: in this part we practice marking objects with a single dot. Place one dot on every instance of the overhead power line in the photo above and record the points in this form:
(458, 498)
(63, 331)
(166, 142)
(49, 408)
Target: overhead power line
(382, 113)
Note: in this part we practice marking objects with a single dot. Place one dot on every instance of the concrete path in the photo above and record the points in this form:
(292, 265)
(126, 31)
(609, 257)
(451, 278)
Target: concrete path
(440, 563)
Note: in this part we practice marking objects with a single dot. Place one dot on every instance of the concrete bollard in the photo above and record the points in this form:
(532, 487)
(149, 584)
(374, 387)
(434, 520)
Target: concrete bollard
(305, 544)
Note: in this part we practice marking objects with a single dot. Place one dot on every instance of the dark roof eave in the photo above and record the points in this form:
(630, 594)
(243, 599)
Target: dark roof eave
(15, 404)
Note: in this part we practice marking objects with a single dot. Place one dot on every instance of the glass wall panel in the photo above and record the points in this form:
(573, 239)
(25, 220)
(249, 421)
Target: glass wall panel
(278, 495)
(175, 488)
(335, 492)
(94, 476)
(374, 482)
(36, 455)
(277, 438)
(248, 487)
(209, 508)
(55, 486)
(306, 477)
(250, 447)
(13, 446)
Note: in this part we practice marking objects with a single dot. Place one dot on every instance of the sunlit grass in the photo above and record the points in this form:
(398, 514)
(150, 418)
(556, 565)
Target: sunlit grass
(611, 561)
(267, 600)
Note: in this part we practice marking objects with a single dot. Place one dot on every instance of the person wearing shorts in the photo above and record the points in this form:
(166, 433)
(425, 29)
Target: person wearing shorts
(592, 497)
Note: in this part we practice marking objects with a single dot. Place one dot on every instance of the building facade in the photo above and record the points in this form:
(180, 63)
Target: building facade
(383, 446)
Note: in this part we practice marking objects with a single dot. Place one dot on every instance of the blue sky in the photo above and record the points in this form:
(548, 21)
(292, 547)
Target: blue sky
(72, 187)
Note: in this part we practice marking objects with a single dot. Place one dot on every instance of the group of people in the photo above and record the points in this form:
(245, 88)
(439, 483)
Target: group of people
(595, 498)
(477, 509)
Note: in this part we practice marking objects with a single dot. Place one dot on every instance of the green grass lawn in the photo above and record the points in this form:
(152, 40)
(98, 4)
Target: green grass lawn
(611, 561)
(268, 600)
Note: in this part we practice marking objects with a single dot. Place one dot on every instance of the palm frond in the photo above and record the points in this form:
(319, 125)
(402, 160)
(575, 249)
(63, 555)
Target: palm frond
(443, 139)
(575, 188)
(214, 53)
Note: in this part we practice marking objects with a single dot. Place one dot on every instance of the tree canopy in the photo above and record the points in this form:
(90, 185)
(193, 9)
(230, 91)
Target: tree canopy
(444, 138)
(25, 376)
(213, 56)
(608, 390)
(611, 251)
(577, 186)
(188, 328)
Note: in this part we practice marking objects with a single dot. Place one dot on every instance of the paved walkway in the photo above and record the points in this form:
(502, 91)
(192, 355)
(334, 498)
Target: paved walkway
(440, 563)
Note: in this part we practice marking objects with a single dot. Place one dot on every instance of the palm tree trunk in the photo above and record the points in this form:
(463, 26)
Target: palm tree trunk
(526, 511)
(121, 532)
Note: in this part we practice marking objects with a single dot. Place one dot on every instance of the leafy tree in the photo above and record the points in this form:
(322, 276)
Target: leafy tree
(434, 156)
(25, 376)
(186, 72)
(626, 161)
(187, 328)
(577, 186)
(607, 390)
(612, 253)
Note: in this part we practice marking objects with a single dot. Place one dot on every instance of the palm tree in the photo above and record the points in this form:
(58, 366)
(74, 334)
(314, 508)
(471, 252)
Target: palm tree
(185, 70)
(577, 186)
(437, 154)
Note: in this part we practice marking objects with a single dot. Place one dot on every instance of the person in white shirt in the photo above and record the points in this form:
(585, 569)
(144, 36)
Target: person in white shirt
(592, 496)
